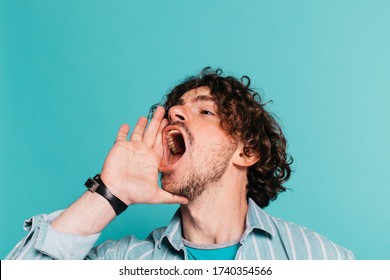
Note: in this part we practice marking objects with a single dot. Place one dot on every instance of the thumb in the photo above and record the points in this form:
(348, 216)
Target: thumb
(164, 197)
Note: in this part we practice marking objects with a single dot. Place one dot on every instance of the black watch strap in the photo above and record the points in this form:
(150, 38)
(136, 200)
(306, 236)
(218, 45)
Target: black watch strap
(96, 185)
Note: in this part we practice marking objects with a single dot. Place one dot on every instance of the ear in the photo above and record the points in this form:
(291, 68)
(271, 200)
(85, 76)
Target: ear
(241, 159)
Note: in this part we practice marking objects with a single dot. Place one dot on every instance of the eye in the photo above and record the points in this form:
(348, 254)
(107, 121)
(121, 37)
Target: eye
(206, 112)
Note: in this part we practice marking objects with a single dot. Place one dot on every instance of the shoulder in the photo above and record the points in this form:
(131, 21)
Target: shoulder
(304, 243)
(128, 247)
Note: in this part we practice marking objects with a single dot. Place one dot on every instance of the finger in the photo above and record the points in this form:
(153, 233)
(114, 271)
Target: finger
(122, 133)
(158, 147)
(164, 197)
(153, 127)
(139, 129)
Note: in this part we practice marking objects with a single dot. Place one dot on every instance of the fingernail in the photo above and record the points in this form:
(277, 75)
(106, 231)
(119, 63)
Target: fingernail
(152, 110)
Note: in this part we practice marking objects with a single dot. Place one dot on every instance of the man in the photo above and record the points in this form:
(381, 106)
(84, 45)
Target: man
(221, 155)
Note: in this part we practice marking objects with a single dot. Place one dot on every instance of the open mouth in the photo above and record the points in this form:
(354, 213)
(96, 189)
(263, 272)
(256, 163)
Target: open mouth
(175, 146)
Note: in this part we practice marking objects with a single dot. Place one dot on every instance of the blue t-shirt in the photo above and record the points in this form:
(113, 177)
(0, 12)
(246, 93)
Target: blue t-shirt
(212, 252)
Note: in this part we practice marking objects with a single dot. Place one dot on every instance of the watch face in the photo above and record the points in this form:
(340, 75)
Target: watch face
(92, 185)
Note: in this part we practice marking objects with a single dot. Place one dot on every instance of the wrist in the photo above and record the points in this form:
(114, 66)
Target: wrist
(97, 185)
(115, 188)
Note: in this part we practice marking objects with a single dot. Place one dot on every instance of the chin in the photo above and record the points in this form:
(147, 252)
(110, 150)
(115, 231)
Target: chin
(167, 182)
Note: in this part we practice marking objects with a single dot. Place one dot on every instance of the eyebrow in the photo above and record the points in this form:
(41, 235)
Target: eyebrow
(197, 99)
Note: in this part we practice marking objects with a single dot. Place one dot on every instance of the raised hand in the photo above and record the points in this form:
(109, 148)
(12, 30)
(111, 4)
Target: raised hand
(130, 170)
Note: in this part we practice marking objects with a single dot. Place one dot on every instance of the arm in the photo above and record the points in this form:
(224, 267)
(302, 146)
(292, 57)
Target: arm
(130, 172)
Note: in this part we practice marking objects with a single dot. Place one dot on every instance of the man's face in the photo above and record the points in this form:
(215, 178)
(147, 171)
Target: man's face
(197, 151)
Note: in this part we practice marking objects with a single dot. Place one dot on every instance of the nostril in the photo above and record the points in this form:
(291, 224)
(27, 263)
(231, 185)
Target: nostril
(176, 113)
(180, 117)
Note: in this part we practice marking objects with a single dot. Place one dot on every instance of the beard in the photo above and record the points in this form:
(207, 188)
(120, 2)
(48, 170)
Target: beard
(209, 169)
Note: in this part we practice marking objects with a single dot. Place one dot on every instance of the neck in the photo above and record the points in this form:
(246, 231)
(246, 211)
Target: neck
(218, 215)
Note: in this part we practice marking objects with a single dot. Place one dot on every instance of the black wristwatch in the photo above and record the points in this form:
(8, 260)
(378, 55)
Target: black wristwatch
(96, 185)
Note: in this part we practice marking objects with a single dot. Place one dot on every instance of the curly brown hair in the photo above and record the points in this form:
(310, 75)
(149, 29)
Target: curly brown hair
(244, 116)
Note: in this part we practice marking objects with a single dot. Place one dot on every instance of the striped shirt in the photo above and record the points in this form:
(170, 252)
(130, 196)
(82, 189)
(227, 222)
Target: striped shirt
(265, 237)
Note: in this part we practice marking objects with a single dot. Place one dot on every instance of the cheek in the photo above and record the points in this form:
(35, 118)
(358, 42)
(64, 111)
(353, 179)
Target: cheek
(209, 135)
(212, 141)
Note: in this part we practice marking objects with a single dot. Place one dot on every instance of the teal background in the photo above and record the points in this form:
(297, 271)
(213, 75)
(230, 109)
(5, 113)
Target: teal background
(72, 71)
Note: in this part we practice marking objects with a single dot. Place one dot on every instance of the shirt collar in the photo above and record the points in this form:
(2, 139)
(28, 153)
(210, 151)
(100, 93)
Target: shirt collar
(256, 218)
(173, 232)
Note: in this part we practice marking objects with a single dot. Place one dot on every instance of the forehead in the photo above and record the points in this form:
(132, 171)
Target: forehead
(196, 95)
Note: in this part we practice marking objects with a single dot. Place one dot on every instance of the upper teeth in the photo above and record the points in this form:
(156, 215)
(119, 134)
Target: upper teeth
(173, 131)
(171, 142)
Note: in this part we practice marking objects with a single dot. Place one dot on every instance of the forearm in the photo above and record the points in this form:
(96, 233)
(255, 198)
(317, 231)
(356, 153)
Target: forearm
(90, 214)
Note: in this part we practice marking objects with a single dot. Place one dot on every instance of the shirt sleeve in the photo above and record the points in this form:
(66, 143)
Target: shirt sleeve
(44, 242)
(348, 255)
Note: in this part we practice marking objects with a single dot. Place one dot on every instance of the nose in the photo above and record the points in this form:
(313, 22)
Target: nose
(177, 114)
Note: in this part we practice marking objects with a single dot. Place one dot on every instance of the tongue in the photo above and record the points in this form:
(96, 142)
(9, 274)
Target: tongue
(173, 158)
